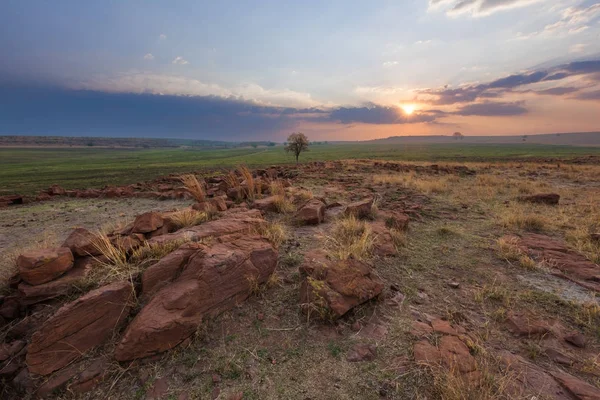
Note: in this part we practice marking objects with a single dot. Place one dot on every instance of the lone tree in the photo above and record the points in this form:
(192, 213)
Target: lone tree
(297, 143)
(457, 135)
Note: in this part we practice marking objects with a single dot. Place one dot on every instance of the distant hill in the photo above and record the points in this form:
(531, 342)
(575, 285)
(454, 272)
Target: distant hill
(68, 141)
(569, 139)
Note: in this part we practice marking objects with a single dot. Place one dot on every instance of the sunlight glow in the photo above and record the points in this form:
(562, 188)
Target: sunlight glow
(408, 108)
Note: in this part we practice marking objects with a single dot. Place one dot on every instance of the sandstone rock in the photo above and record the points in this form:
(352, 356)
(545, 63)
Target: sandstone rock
(235, 193)
(58, 380)
(362, 352)
(337, 286)
(130, 242)
(90, 376)
(233, 221)
(58, 287)
(396, 220)
(8, 350)
(529, 380)
(558, 357)
(56, 190)
(426, 354)
(167, 268)
(312, 213)
(203, 206)
(542, 198)
(82, 243)
(78, 327)
(218, 203)
(360, 209)
(383, 245)
(10, 307)
(576, 339)
(441, 326)
(214, 279)
(521, 324)
(41, 266)
(266, 204)
(557, 254)
(455, 353)
(420, 329)
(578, 388)
(147, 222)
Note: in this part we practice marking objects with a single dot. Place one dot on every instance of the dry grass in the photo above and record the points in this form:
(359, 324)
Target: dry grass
(187, 218)
(411, 180)
(282, 202)
(231, 180)
(251, 187)
(194, 187)
(523, 218)
(275, 232)
(350, 238)
(451, 384)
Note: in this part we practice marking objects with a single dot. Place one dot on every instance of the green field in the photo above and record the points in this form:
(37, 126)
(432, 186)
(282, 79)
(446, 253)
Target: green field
(28, 170)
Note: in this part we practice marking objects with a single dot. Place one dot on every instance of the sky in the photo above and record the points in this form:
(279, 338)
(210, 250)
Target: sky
(335, 70)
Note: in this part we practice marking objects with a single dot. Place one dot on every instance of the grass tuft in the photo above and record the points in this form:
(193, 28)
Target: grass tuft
(350, 238)
(194, 187)
(187, 218)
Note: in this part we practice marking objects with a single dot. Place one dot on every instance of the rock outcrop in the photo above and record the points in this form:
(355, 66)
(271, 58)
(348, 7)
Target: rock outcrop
(312, 213)
(41, 266)
(78, 327)
(213, 280)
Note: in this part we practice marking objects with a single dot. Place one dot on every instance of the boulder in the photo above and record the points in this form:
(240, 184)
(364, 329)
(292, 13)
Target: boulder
(203, 206)
(34, 294)
(576, 339)
(41, 266)
(312, 213)
(235, 193)
(56, 190)
(396, 220)
(456, 354)
(213, 280)
(78, 327)
(542, 198)
(335, 287)
(147, 222)
(360, 209)
(82, 243)
(523, 324)
(8, 350)
(362, 352)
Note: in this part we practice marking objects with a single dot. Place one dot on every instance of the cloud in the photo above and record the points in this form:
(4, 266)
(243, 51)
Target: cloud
(573, 20)
(557, 91)
(476, 8)
(420, 42)
(593, 95)
(180, 60)
(377, 114)
(498, 87)
(162, 36)
(492, 109)
(143, 82)
(149, 56)
(388, 64)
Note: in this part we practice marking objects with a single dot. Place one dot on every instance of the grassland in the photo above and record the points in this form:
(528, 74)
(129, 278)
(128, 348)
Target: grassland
(28, 170)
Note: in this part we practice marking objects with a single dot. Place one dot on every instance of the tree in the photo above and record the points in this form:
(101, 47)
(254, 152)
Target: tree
(297, 143)
(457, 135)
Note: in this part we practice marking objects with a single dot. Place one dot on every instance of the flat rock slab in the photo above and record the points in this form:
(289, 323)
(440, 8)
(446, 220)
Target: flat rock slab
(41, 266)
(78, 327)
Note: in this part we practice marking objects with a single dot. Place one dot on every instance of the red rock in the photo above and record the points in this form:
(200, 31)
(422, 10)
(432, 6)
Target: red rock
(78, 327)
(542, 198)
(521, 324)
(23, 381)
(441, 326)
(58, 287)
(213, 280)
(360, 209)
(159, 389)
(235, 193)
(420, 329)
(58, 380)
(10, 307)
(558, 255)
(529, 380)
(219, 203)
(576, 339)
(456, 354)
(8, 350)
(90, 376)
(147, 222)
(167, 268)
(130, 242)
(233, 221)
(362, 352)
(396, 220)
(82, 243)
(426, 354)
(56, 190)
(578, 388)
(384, 245)
(266, 204)
(558, 357)
(337, 286)
(203, 206)
(41, 266)
(312, 213)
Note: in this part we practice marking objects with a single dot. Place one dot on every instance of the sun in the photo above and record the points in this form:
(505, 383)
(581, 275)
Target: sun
(408, 108)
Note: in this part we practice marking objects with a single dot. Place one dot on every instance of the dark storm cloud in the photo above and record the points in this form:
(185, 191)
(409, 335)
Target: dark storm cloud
(496, 88)
(49, 110)
(489, 109)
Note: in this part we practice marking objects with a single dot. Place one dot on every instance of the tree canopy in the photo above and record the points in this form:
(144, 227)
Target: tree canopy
(297, 142)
